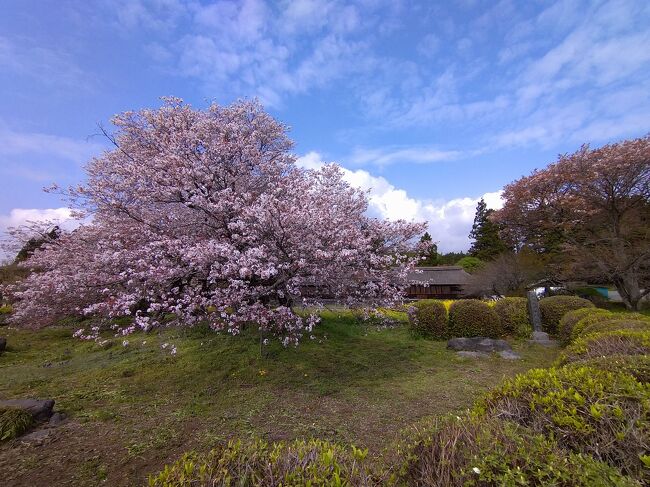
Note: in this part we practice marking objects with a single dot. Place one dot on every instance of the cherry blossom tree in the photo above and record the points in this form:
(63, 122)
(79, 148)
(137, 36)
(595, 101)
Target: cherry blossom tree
(591, 209)
(204, 215)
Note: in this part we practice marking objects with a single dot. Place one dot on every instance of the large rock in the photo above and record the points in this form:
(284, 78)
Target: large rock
(3, 344)
(541, 338)
(478, 344)
(41, 410)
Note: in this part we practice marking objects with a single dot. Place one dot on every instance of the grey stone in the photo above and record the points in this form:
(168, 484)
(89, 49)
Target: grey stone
(534, 311)
(544, 343)
(3, 344)
(478, 344)
(509, 355)
(38, 436)
(41, 410)
(540, 336)
(466, 354)
(57, 418)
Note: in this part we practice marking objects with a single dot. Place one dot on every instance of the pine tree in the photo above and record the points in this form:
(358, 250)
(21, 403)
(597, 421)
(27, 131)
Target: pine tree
(486, 243)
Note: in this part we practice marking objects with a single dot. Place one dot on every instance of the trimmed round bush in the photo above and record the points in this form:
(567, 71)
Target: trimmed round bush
(620, 342)
(554, 308)
(312, 462)
(588, 321)
(456, 452)
(571, 319)
(473, 318)
(428, 318)
(614, 325)
(513, 313)
(638, 366)
(587, 410)
(13, 423)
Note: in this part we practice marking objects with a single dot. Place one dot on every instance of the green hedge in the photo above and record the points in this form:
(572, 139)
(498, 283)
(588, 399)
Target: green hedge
(638, 366)
(589, 320)
(586, 423)
(572, 318)
(587, 410)
(614, 325)
(554, 308)
(472, 318)
(622, 342)
(428, 318)
(513, 313)
(453, 451)
(312, 462)
(450, 452)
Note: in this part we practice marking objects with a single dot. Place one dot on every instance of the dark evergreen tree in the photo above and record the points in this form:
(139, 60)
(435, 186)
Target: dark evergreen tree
(450, 258)
(431, 257)
(487, 243)
(37, 242)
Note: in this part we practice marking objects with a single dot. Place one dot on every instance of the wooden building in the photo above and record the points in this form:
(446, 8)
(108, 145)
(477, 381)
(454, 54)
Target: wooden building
(441, 282)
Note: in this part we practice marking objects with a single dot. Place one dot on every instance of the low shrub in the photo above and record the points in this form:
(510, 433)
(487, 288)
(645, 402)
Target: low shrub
(571, 319)
(554, 308)
(5, 311)
(621, 342)
(513, 313)
(589, 320)
(13, 423)
(454, 451)
(312, 462)
(638, 366)
(428, 318)
(585, 409)
(472, 318)
(614, 325)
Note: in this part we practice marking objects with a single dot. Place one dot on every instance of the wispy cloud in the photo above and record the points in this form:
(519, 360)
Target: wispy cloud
(392, 155)
(49, 66)
(43, 158)
(13, 143)
(257, 48)
(555, 68)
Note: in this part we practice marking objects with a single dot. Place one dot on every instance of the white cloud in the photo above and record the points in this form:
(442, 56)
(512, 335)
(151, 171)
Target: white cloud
(449, 221)
(19, 217)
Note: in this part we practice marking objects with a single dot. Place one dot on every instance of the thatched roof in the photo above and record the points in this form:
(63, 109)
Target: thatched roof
(446, 275)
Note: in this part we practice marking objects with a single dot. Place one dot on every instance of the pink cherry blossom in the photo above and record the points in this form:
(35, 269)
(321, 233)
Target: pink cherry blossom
(203, 215)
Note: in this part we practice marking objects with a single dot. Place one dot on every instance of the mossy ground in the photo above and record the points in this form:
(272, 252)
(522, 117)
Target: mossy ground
(132, 409)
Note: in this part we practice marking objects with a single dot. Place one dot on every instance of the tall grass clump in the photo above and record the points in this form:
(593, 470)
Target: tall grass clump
(14, 422)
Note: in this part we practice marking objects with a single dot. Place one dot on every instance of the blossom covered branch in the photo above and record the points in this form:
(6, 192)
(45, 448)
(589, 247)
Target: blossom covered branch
(203, 214)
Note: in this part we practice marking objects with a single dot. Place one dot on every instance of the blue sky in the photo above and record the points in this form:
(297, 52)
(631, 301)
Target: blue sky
(430, 105)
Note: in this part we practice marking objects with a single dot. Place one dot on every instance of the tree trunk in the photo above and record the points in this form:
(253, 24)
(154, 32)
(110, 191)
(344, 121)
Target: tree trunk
(628, 287)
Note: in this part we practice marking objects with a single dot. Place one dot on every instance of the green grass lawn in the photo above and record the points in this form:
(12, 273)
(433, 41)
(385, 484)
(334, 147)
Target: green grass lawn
(132, 409)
